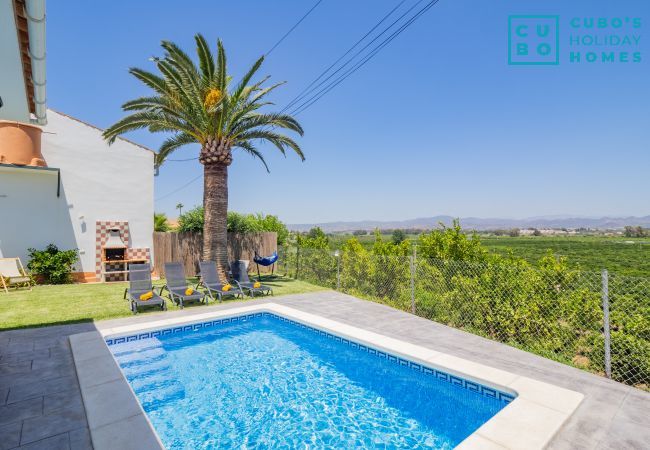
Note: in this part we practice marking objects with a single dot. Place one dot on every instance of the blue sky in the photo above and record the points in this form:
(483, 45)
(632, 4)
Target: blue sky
(436, 123)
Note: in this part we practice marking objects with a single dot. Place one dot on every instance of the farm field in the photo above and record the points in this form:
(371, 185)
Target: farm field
(619, 255)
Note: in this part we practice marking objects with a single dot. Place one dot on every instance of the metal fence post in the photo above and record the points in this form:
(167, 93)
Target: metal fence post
(606, 332)
(337, 255)
(297, 261)
(412, 263)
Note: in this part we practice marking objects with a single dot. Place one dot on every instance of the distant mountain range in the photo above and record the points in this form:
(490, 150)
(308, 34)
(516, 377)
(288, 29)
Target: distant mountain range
(476, 223)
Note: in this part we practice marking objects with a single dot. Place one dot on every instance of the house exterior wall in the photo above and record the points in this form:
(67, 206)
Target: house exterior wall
(98, 183)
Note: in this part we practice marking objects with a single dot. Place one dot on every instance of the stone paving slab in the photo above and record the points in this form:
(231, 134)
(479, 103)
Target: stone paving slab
(612, 415)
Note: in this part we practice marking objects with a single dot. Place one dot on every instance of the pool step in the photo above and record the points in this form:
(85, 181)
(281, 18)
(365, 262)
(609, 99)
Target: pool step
(141, 357)
(162, 396)
(139, 370)
(146, 365)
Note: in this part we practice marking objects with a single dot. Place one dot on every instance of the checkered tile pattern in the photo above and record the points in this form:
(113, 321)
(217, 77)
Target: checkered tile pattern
(138, 253)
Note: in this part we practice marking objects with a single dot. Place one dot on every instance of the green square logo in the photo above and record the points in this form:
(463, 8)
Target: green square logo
(533, 40)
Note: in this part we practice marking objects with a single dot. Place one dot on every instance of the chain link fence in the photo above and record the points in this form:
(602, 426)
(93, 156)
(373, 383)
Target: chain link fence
(598, 322)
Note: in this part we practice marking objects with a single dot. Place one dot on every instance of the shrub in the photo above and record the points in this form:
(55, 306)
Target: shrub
(192, 220)
(52, 264)
(160, 222)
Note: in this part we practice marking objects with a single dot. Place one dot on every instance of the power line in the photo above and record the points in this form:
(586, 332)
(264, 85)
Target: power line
(179, 189)
(305, 92)
(182, 160)
(293, 27)
(313, 99)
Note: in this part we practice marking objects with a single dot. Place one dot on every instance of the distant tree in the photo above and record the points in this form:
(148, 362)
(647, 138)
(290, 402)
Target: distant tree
(514, 232)
(536, 232)
(635, 232)
(359, 232)
(499, 232)
(398, 236)
(160, 222)
(179, 207)
(315, 238)
(451, 243)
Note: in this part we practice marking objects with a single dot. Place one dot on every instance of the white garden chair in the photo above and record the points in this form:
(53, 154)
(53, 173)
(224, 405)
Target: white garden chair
(12, 273)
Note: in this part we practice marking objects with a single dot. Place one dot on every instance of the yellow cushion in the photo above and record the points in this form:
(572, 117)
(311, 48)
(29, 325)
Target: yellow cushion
(257, 284)
(146, 296)
(226, 287)
(189, 291)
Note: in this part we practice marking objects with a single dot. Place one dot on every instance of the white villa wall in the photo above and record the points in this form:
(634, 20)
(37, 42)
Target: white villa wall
(98, 182)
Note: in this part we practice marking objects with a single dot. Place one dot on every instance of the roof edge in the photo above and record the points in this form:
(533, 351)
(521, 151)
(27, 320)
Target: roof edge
(100, 129)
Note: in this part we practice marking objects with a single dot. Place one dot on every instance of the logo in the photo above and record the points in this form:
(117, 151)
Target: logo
(533, 40)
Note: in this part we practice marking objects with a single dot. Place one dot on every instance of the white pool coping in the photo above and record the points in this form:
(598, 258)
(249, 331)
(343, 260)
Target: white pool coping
(117, 421)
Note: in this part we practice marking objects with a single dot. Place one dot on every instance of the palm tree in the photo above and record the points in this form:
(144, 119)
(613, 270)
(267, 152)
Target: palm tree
(179, 207)
(160, 222)
(198, 104)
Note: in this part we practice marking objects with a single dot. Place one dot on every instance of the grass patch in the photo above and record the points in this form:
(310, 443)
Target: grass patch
(75, 303)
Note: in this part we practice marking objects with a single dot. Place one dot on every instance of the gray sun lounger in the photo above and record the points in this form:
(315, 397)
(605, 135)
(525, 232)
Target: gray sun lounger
(177, 285)
(240, 275)
(140, 283)
(213, 286)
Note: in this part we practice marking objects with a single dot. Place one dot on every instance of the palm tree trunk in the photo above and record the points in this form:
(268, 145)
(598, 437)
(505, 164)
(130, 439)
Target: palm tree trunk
(215, 226)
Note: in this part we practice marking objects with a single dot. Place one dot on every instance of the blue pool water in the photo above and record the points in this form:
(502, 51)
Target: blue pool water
(263, 381)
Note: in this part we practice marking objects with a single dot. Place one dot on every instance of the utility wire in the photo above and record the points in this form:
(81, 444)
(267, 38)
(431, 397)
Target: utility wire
(293, 27)
(300, 95)
(307, 91)
(314, 98)
(180, 188)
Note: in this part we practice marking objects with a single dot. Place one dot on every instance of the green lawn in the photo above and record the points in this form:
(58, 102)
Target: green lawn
(70, 303)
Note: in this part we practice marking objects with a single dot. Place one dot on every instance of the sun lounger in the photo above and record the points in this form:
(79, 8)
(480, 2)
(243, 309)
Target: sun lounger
(140, 284)
(177, 286)
(240, 275)
(12, 273)
(213, 286)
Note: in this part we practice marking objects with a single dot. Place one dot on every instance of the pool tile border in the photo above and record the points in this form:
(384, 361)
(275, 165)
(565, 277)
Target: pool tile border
(530, 420)
(439, 374)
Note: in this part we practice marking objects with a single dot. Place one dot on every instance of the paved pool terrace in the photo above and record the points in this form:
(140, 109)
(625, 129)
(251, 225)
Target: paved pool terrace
(41, 405)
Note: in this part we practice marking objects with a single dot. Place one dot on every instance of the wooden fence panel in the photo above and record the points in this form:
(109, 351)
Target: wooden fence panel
(188, 248)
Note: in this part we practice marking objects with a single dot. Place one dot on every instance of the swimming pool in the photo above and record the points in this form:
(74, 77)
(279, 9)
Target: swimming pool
(265, 381)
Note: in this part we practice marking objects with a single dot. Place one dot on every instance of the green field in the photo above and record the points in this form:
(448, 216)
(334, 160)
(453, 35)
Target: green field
(623, 256)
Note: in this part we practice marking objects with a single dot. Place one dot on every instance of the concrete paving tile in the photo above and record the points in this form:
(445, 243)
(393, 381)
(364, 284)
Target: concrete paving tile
(109, 402)
(39, 428)
(10, 434)
(92, 372)
(627, 436)
(40, 388)
(50, 342)
(635, 408)
(89, 349)
(21, 410)
(16, 368)
(18, 346)
(24, 356)
(41, 364)
(58, 442)
(132, 433)
(62, 400)
(37, 376)
(80, 439)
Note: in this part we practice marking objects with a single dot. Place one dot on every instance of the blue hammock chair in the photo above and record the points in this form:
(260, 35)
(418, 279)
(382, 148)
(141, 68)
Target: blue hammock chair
(265, 261)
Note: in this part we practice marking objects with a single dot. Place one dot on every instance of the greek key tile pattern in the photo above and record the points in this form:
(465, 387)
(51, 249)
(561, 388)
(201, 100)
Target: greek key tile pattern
(457, 381)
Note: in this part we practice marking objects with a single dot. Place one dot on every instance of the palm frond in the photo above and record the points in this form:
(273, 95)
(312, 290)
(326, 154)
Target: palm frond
(251, 150)
(206, 62)
(171, 144)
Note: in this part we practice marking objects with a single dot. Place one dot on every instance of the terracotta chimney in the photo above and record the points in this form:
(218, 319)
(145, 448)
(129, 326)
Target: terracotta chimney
(20, 144)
